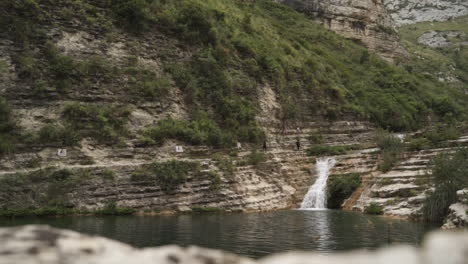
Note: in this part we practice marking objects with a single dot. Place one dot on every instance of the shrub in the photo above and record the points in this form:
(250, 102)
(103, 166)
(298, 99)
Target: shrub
(256, 158)
(135, 15)
(106, 123)
(197, 132)
(374, 209)
(7, 128)
(417, 144)
(323, 150)
(339, 188)
(167, 174)
(57, 134)
(391, 148)
(448, 176)
(316, 138)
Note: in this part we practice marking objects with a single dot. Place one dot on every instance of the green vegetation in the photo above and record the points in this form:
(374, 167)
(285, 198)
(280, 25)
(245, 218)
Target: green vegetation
(434, 136)
(441, 62)
(374, 209)
(106, 123)
(247, 44)
(227, 166)
(231, 50)
(449, 174)
(391, 148)
(46, 192)
(7, 128)
(168, 174)
(203, 131)
(316, 138)
(323, 150)
(340, 188)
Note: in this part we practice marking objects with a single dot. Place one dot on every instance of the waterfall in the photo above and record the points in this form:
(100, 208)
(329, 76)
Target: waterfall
(316, 197)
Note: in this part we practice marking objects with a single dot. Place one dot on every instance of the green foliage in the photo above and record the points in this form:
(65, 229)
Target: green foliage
(324, 150)
(340, 188)
(316, 138)
(434, 136)
(107, 174)
(39, 189)
(203, 131)
(226, 166)
(145, 84)
(54, 134)
(63, 69)
(449, 174)
(167, 174)
(7, 128)
(106, 123)
(391, 148)
(256, 158)
(374, 209)
(417, 144)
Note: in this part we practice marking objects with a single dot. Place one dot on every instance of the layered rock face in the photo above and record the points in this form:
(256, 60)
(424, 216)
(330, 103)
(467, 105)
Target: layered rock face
(366, 22)
(42, 244)
(414, 11)
(401, 191)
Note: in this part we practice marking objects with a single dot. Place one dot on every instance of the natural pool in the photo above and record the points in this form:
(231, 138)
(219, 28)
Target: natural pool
(254, 234)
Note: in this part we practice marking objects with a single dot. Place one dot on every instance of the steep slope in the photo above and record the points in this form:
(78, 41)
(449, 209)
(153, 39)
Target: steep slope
(439, 49)
(119, 84)
(365, 22)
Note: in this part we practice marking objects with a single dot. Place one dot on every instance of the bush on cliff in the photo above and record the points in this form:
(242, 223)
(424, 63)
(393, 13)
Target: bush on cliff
(449, 174)
(391, 148)
(167, 174)
(340, 187)
(374, 209)
(106, 123)
(7, 128)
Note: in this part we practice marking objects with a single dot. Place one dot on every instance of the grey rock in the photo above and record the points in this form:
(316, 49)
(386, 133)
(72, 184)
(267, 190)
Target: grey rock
(41, 244)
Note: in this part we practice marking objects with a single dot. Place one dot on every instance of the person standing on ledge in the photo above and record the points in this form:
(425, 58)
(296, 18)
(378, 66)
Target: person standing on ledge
(264, 145)
(298, 144)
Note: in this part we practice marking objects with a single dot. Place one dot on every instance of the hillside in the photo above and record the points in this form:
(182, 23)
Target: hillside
(120, 83)
(439, 49)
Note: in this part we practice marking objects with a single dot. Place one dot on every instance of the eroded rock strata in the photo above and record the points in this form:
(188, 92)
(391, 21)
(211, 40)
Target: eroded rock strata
(366, 22)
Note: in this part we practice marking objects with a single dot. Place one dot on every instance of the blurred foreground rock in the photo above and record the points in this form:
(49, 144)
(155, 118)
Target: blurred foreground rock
(43, 244)
(458, 212)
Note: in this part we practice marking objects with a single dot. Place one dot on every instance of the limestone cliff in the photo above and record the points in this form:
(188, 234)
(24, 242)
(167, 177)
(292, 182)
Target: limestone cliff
(364, 21)
(89, 94)
(414, 11)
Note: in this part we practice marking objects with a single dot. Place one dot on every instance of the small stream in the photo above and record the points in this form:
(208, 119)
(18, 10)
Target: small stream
(253, 235)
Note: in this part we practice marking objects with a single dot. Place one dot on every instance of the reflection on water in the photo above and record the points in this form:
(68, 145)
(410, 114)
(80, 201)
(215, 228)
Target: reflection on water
(253, 235)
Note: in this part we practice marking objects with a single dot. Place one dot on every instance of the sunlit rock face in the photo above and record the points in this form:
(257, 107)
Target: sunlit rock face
(414, 11)
(364, 21)
(42, 244)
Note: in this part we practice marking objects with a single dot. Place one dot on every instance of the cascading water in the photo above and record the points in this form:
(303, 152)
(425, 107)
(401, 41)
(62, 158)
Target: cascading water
(316, 197)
